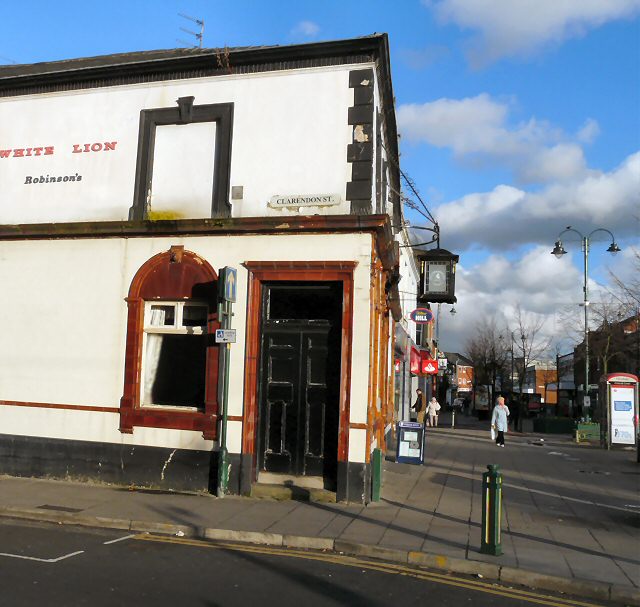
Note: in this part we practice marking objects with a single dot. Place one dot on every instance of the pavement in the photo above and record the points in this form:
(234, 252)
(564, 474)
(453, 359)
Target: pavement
(571, 513)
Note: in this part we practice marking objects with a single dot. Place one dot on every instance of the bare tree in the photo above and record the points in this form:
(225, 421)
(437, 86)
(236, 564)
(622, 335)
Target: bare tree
(627, 292)
(530, 344)
(606, 339)
(485, 348)
(604, 328)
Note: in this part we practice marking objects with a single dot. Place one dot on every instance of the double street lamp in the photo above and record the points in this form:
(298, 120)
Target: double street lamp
(559, 251)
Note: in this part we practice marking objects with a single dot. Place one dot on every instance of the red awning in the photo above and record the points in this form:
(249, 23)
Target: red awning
(415, 361)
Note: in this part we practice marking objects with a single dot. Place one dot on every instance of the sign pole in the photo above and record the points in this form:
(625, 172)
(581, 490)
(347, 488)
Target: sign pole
(226, 296)
(223, 469)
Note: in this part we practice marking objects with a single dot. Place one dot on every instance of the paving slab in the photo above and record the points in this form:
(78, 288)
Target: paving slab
(550, 561)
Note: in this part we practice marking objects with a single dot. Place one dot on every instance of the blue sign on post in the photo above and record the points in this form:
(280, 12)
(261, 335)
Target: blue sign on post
(410, 449)
(230, 279)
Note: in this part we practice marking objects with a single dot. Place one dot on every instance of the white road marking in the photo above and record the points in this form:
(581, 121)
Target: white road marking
(571, 499)
(120, 539)
(33, 558)
(60, 558)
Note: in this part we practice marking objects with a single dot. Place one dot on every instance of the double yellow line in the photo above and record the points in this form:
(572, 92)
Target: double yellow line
(350, 561)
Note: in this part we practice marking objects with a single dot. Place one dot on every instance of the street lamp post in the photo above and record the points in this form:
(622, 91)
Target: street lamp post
(512, 366)
(559, 251)
(516, 415)
(453, 312)
(557, 382)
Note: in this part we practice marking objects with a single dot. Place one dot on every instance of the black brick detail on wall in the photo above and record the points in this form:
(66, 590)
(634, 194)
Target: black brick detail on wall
(360, 114)
(360, 152)
(363, 95)
(357, 152)
(361, 171)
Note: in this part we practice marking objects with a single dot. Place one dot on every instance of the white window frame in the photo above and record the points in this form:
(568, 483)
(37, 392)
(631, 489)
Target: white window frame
(176, 329)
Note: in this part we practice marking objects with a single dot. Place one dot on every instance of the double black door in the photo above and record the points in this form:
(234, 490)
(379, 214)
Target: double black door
(300, 378)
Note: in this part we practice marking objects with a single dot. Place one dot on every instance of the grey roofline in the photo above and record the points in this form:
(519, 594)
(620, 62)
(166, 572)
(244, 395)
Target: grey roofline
(465, 361)
(181, 58)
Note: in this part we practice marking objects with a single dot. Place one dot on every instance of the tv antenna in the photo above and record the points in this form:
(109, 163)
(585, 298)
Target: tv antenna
(197, 35)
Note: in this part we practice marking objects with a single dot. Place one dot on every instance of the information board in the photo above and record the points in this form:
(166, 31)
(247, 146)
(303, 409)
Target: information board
(622, 409)
(410, 448)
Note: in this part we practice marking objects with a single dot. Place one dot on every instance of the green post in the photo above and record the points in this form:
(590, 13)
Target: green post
(376, 475)
(223, 465)
(226, 297)
(223, 468)
(491, 511)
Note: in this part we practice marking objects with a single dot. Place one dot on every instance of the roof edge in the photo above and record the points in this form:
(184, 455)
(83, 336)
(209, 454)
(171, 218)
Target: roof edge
(90, 68)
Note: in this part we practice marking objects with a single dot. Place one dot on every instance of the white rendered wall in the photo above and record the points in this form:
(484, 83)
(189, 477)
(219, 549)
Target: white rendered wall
(94, 427)
(63, 339)
(408, 285)
(358, 445)
(290, 136)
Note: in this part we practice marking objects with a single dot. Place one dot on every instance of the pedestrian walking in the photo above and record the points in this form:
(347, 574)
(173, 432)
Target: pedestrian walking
(432, 411)
(419, 406)
(500, 420)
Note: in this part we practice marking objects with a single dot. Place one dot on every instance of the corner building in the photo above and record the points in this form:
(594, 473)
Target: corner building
(126, 183)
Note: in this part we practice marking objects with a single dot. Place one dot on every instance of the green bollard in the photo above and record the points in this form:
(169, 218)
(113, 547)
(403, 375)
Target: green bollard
(491, 511)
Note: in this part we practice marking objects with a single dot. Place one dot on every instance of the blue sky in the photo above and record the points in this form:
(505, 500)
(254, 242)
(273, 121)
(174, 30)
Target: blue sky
(517, 118)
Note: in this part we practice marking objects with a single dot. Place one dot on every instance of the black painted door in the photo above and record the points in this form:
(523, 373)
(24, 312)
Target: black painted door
(300, 378)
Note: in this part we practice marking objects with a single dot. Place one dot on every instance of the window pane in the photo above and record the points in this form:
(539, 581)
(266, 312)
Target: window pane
(183, 170)
(295, 301)
(174, 372)
(437, 278)
(194, 316)
(162, 316)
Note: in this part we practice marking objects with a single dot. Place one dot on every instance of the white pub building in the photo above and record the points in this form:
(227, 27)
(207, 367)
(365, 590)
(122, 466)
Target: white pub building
(126, 183)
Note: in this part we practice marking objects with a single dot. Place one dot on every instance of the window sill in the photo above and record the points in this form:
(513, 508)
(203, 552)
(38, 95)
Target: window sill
(169, 419)
(174, 408)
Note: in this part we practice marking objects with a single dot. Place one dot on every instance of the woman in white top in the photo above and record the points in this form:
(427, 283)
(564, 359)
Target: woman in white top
(432, 411)
(499, 420)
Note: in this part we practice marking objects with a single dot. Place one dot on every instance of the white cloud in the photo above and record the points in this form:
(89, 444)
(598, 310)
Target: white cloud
(589, 131)
(307, 29)
(477, 129)
(524, 27)
(561, 162)
(508, 217)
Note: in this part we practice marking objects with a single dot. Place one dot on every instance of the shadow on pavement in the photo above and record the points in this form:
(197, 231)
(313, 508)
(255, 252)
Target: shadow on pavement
(517, 534)
(184, 517)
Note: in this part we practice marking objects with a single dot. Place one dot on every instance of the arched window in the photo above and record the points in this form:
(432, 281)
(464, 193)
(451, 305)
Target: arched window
(171, 360)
